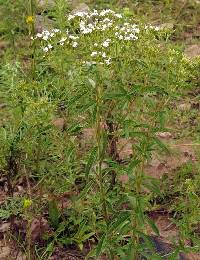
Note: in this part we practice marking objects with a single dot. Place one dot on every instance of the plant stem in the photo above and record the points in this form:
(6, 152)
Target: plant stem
(135, 223)
(99, 151)
(112, 145)
(32, 34)
(29, 240)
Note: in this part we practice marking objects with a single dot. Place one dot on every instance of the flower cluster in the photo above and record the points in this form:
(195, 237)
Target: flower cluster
(152, 27)
(46, 35)
(101, 55)
(94, 13)
(127, 32)
(94, 20)
(100, 29)
(55, 35)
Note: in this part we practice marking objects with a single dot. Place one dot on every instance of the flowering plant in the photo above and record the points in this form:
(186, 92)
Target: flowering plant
(112, 76)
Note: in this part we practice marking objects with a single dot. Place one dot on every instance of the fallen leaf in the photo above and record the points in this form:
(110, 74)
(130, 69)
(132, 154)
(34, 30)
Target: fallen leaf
(5, 252)
(4, 227)
(59, 123)
(124, 178)
(192, 51)
(164, 135)
(38, 227)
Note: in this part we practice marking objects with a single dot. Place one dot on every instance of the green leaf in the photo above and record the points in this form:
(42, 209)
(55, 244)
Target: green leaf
(74, 129)
(85, 190)
(91, 160)
(65, 241)
(132, 165)
(101, 244)
(80, 245)
(54, 213)
(87, 236)
(91, 254)
(122, 218)
(50, 247)
(161, 144)
(61, 228)
(153, 225)
(75, 98)
(87, 106)
(4, 214)
(92, 82)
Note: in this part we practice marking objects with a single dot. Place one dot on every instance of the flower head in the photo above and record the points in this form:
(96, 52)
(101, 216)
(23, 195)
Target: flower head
(45, 49)
(27, 203)
(29, 19)
(74, 44)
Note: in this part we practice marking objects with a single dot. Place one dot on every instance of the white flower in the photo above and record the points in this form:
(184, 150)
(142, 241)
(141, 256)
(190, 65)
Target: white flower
(74, 44)
(91, 26)
(106, 43)
(104, 55)
(104, 26)
(121, 37)
(46, 32)
(132, 36)
(136, 30)
(45, 37)
(102, 13)
(118, 15)
(56, 30)
(62, 40)
(70, 17)
(84, 29)
(156, 28)
(90, 63)
(108, 61)
(105, 12)
(45, 49)
(72, 37)
(94, 13)
(38, 35)
(106, 20)
(80, 14)
(82, 24)
(95, 44)
(94, 53)
(50, 46)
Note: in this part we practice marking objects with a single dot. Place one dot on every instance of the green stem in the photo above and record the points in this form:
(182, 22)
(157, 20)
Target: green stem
(28, 237)
(99, 152)
(32, 34)
(135, 223)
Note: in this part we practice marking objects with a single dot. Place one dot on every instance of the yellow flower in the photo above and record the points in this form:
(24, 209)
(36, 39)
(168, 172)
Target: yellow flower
(27, 203)
(29, 19)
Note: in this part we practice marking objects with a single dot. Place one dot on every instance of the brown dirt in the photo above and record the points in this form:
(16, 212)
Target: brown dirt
(168, 230)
